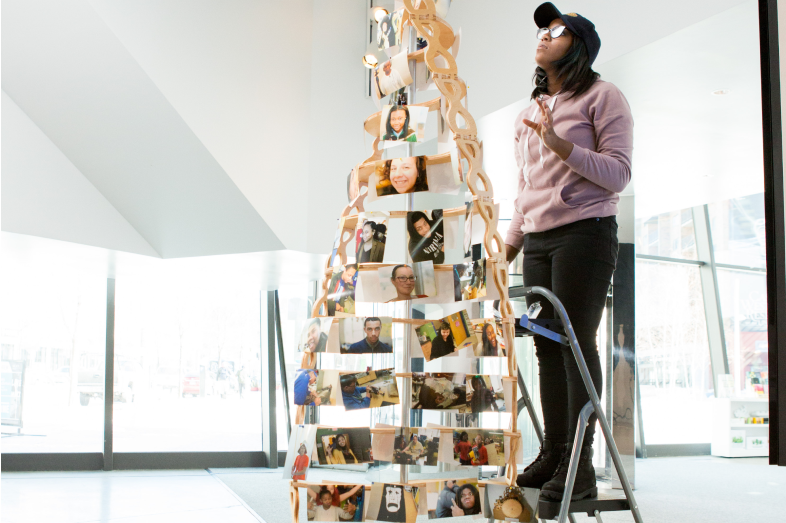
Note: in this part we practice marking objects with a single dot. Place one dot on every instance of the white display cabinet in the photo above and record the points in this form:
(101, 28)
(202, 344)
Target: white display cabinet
(731, 436)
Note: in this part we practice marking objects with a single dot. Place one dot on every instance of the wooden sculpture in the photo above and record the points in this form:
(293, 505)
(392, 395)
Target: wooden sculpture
(422, 16)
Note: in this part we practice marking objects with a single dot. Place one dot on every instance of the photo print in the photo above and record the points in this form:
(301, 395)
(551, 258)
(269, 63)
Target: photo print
(416, 446)
(335, 502)
(337, 446)
(372, 389)
(468, 230)
(314, 337)
(314, 387)
(471, 281)
(300, 450)
(406, 282)
(479, 447)
(401, 176)
(402, 123)
(370, 335)
(426, 236)
(506, 503)
(465, 393)
(341, 290)
(447, 336)
(389, 30)
(392, 502)
(391, 75)
(490, 343)
(454, 498)
(370, 237)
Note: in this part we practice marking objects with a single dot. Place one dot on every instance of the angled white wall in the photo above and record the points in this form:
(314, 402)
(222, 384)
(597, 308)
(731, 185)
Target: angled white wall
(69, 73)
(45, 195)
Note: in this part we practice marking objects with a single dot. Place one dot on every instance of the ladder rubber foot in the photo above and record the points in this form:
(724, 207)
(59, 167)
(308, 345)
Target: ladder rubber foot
(557, 496)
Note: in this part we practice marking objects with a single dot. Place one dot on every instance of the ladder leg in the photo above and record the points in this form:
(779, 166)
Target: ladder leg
(604, 424)
(573, 468)
(530, 407)
(597, 517)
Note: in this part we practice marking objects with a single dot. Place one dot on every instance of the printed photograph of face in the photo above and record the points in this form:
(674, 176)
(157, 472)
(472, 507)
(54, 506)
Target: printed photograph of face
(490, 342)
(479, 447)
(416, 447)
(389, 30)
(312, 388)
(341, 290)
(391, 75)
(301, 446)
(444, 337)
(335, 502)
(407, 282)
(314, 337)
(454, 498)
(369, 335)
(511, 504)
(391, 502)
(343, 446)
(370, 237)
(402, 123)
(466, 393)
(485, 394)
(426, 234)
(401, 176)
(364, 390)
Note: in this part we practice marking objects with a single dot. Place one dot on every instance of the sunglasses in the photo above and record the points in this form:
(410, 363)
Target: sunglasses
(555, 33)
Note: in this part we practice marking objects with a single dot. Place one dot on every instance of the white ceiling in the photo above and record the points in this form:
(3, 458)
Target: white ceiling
(181, 128)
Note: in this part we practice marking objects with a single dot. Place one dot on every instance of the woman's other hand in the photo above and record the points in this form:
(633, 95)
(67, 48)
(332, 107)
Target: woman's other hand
(545, 131)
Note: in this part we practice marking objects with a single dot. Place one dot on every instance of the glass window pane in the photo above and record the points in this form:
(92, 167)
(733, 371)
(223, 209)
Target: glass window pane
(672, 354)
(744, 308)
(53, 350)
(738, 231)
(187, 366)
(669, 235)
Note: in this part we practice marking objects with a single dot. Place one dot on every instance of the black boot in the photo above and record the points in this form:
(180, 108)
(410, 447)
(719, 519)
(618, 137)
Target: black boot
(542, 469)
(584, 487)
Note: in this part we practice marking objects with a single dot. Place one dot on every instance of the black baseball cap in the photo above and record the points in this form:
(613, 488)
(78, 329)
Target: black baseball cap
(576, 24)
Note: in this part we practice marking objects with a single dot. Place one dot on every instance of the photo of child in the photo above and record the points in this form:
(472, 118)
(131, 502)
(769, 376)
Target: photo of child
(479, 447)
(370, 389)
(335, 502)
(301, 446)
(402, 123)
(439, 338)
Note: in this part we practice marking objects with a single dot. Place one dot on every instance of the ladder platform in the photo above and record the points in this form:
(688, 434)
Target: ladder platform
(607, 501)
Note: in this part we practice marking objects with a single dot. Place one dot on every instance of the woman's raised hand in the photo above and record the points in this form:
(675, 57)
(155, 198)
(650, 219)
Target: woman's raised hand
(545, 131)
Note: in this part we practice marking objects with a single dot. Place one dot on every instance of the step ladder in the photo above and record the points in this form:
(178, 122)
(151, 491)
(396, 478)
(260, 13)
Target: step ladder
(606, 501)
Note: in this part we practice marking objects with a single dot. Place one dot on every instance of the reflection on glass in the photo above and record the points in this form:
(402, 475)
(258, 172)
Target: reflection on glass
(669, 234)
(744, 309)
(738, 231)
(187, 355)
(53, 346)
(672, 354)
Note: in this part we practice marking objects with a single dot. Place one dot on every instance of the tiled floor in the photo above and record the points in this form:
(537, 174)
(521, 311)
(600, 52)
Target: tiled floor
(188, 496)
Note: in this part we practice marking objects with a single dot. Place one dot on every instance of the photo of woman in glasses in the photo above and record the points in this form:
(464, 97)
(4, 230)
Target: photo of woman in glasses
(403, 279)
(426, 236)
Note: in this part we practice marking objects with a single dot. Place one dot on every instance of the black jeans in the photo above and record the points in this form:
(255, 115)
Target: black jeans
(576, 262)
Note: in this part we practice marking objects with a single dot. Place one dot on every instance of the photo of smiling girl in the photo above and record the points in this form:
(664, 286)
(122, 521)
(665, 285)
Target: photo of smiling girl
(401, 176)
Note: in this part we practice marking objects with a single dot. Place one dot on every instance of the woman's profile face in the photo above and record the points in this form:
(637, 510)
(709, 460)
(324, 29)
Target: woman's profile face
(552, 49)
(397, 119)
(467, 498)
(403, 174)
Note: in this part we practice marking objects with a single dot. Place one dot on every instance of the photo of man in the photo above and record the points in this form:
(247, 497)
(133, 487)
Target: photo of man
(426, 233)
(371, 389)
(371, 343)
(392, 75)
(306, 392)
(315, 335)
(341, 290)
(416, 446)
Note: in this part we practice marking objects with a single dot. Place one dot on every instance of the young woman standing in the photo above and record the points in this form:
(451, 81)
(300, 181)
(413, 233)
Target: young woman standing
(573, 149)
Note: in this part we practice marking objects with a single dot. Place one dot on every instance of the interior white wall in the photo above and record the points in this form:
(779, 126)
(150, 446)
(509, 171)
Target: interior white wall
(238, 74)
(69, 73)
(45, 195)
(498, 38)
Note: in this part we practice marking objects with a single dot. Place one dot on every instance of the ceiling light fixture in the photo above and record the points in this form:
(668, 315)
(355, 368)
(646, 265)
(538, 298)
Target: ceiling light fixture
(721, 92)
(379, 13)
(370, 61)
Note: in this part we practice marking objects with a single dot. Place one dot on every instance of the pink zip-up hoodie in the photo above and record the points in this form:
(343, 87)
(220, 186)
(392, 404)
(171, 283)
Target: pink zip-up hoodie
(551, 192)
